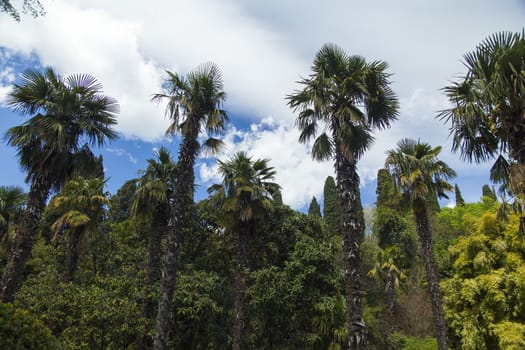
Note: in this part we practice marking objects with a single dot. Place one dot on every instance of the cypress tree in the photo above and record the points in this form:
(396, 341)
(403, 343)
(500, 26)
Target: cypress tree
(331, 208)
(488, 192)
(315, 208)
(459, 198)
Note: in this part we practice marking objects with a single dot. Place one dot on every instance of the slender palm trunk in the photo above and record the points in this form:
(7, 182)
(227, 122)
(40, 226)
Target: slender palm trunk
(182, 200)
(71, 263)
(24, 239)
(391, 294)
(153, 267)
(425, 239)
(352, 235)
(240, 308)
(153, 270)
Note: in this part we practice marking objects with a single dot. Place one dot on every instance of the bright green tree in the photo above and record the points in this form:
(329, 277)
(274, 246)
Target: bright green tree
(193, 105)
(418, 172)
(66, 113)
(486, 295)
(345, 99)
(244, 197)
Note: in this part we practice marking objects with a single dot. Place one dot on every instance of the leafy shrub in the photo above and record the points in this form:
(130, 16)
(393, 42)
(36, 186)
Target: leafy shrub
(20, 330)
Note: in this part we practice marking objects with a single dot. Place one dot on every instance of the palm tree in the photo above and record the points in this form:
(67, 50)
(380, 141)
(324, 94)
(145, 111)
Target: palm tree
(80, 209)
(51, 145)
(349, 98)
(419, 173)
(151, 201)
(386, 270)
(193, 105)
(244, 196)
(486, 120)
(12, 201)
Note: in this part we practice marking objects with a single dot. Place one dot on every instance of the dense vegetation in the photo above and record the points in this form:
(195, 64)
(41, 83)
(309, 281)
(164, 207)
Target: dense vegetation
(150, 267)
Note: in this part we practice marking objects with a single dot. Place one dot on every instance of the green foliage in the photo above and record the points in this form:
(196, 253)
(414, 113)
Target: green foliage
(331, 206)
(314, 209)
(489, 192)
(299, 305)
(104, 315)
(412, 343)
(511, 335)
(120, 205)
(20, 330)
(201, 320)
(459, 198)
(487, 292)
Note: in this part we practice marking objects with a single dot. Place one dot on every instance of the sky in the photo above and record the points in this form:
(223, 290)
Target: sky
(262, 49)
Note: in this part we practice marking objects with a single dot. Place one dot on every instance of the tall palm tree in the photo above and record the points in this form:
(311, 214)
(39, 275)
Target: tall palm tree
(152, 201)
(193, 105)
(486, 120)
(418, 173)
(244, 196)
(68, 114)
(12, 201)
(346, 98)
(79, 209)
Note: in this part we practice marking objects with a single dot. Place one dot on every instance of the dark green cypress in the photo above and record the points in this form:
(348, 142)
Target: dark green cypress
(331, 208)
(314, 209)
(459, 198)
(488, 192)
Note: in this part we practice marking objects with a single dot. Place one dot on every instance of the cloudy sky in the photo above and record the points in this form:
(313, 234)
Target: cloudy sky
(262, 49)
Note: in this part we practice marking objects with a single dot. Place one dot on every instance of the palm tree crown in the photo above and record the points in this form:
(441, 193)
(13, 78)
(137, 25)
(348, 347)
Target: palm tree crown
(157, 183)
(12, 201)
(194, 101)
(349, 97)
(68, 114)
(486, 120)
(80, 208)
(246, 191)
(417, 170)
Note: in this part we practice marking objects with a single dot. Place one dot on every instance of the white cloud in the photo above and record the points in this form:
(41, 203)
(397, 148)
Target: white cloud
(120, 152)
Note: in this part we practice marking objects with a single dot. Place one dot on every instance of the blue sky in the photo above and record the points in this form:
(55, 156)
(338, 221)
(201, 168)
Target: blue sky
(262, 49)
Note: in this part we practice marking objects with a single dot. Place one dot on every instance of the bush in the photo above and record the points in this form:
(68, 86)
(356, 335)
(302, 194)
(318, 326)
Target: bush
(20, 330)
(413, 343)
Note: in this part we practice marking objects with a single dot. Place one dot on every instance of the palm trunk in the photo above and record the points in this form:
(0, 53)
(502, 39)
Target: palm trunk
(25, 237)
(182, 200)
(352, 236)
(71, 262)
(153, 268)
(240, 308)
(391, 293)
(425, 239)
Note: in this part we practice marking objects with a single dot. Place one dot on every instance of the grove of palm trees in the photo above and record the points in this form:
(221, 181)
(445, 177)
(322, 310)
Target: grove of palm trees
(153, 267)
